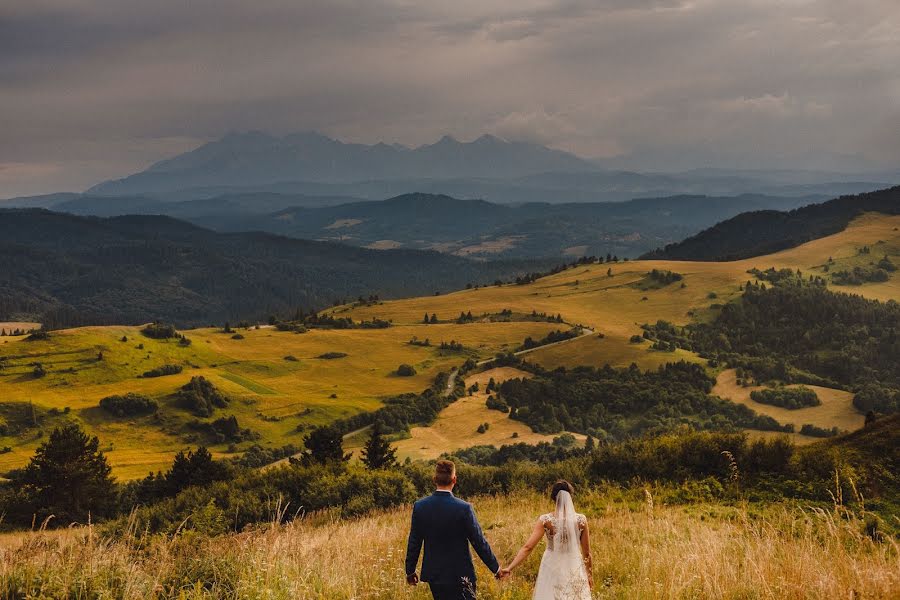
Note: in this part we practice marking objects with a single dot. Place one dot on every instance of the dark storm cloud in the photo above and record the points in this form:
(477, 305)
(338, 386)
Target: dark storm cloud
(91, 89)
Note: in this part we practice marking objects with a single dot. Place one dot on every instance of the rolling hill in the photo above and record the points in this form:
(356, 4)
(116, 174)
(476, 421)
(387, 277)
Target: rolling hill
(134, 269)
(474, 228)
(763, 232)
(277, 398)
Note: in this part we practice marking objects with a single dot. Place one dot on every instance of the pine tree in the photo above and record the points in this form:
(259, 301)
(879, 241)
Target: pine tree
(377, 453)
(324, 445)
(69, 477)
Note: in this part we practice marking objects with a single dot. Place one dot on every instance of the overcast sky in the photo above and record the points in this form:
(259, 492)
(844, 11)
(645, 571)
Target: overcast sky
(92, 89)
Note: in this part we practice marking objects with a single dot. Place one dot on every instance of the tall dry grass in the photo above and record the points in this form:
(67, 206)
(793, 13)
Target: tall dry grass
(639, 551)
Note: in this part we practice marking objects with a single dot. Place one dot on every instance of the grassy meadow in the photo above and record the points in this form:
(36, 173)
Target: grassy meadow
(273, 396)
(836, 409)
(641, 548)
(270, 395)
(457, 425)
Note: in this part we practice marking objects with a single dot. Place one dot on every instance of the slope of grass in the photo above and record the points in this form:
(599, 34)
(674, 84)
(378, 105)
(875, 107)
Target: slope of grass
(270, 395)
(456, 426)
(640, 549)
(836, 409)
(273, 396)
(611, 305)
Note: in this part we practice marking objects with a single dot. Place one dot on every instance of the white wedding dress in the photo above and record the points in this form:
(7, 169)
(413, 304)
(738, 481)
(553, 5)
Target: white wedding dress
(562, 575)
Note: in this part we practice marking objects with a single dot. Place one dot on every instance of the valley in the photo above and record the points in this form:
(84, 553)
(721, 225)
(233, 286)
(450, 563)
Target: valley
(279, 385)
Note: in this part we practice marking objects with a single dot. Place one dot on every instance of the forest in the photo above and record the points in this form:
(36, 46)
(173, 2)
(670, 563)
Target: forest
(68, 271)
(766, 231)
(615, 404)
(806, 333)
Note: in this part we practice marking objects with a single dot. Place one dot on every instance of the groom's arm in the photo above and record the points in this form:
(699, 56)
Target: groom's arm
(481, 545)
(413, 544)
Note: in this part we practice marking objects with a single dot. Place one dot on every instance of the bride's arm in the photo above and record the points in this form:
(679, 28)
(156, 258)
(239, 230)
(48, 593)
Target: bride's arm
(536, 534)
(586, 553)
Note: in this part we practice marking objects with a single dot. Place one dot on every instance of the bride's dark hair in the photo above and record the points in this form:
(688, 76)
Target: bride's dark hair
(559, 486)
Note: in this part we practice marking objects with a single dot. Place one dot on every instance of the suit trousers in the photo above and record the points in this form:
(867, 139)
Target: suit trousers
(464, 590)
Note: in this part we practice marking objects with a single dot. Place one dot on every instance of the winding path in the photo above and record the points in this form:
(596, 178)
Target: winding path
(586, 331)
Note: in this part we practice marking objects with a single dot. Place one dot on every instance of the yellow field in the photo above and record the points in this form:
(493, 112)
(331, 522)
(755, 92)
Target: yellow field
(836, 409)
(612, 306)
(700, 551)
(10, 326)
(456, 426)
(273, 396)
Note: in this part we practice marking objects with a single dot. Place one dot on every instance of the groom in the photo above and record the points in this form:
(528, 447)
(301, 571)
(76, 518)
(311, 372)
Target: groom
(447, 526)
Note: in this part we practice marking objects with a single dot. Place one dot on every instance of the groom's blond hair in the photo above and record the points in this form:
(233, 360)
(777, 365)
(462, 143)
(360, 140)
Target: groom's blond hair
(444, 471)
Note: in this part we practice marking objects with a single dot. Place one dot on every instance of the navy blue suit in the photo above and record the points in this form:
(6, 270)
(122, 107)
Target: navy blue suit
(446, 526)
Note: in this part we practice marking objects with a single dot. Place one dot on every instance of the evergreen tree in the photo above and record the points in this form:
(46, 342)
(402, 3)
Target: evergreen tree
(324, 445)
(194, 468)
(377, 453)
(68, 477)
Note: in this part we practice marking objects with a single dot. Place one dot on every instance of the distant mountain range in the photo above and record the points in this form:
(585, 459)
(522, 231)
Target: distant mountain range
(472, 228)
(257, 158)
(65, 270)
(763, 232)
(311, 164)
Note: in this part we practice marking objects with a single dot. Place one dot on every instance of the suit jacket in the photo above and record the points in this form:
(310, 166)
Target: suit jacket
(446, 525)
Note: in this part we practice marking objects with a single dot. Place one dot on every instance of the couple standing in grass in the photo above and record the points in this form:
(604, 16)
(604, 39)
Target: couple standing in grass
(446, 526)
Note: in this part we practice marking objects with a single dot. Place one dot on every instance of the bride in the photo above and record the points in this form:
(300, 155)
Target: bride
(565, 572)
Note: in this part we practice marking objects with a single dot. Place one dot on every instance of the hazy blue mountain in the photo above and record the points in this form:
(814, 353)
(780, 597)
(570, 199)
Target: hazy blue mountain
(474, 228)
(257, 158)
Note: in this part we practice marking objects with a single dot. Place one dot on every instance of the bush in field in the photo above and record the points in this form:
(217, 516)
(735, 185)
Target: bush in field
(159, 331)
(201, 397)
(814, 431)
(406, 370)
(128, 405)
(494, 403)
(785, 397)
(163, 370)
(224, 429)
(332, 355)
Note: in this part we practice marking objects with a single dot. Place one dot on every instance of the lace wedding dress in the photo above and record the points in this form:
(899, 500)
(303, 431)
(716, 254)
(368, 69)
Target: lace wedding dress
(562, 575)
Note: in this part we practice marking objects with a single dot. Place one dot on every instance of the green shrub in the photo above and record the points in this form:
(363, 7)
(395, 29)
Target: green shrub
(159, 331)
(129, 404)
(785, 397)
(406, 370)
(201, 397)
(163, 371)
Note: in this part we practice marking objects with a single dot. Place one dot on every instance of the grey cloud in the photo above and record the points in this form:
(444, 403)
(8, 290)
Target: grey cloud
(97, 88)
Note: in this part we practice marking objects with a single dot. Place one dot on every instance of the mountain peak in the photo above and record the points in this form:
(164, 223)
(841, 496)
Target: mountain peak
(488, 139)
(254, 158)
